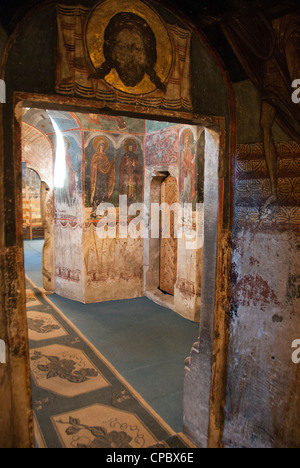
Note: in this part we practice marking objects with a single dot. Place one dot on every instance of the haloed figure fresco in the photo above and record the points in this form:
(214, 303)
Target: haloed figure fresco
(103, 174)
(130, 50)
(131, 172)
(188, 165)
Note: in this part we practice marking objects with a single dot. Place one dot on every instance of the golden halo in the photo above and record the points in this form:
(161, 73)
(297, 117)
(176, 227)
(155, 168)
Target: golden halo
(97, 22)
(130, 142)
(187, 133)
(97, 140)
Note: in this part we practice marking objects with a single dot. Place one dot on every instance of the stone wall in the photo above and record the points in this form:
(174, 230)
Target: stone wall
(263, 404)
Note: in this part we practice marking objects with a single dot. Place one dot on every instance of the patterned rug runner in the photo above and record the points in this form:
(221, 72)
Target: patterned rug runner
(79, 398)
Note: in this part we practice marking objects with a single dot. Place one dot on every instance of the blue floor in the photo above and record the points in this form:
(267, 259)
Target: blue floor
(146, 343)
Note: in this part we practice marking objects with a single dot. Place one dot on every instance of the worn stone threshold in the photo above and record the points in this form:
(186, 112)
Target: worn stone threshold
(160, 298)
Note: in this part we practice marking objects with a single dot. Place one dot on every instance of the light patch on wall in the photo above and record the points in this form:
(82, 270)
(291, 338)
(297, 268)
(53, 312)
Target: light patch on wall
(60, 158)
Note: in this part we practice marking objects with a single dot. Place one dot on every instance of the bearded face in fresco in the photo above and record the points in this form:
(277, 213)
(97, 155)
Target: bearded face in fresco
(130, 48)
(129, 57)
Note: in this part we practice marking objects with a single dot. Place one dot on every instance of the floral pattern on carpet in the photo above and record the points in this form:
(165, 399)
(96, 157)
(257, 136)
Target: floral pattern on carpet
(79, 399)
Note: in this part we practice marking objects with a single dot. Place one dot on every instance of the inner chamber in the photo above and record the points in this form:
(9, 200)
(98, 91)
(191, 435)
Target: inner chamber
(99, 182)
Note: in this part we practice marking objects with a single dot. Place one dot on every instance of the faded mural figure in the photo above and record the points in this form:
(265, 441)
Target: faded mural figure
(188, 165)
(280, 71)
(130, 48)
(103, 174)
(67, 193)
(271, 58)
(131, 172)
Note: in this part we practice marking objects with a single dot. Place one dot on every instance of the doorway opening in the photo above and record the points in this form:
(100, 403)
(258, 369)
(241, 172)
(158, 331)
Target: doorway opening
(83, 260)
(32, 215)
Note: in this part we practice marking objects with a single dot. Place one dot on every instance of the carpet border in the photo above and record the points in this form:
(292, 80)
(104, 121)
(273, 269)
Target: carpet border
(141, 400)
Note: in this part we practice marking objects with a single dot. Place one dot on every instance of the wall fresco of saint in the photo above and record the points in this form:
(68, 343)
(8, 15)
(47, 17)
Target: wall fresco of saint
(113, 167)
(180, 146)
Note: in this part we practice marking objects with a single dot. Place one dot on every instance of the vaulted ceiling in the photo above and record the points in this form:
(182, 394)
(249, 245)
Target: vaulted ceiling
(207, 15)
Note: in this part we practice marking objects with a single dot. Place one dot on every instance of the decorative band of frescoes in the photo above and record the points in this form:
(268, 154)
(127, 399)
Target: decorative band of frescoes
(114, 167)
(252, 188)
(67, 274)
(67, 224)
(187, 288)
(162, 148)
(94, 225)
(105, 157)
(105, 275)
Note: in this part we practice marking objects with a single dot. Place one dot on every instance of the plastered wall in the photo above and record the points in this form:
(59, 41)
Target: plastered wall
(262, 404)
(95, 265)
